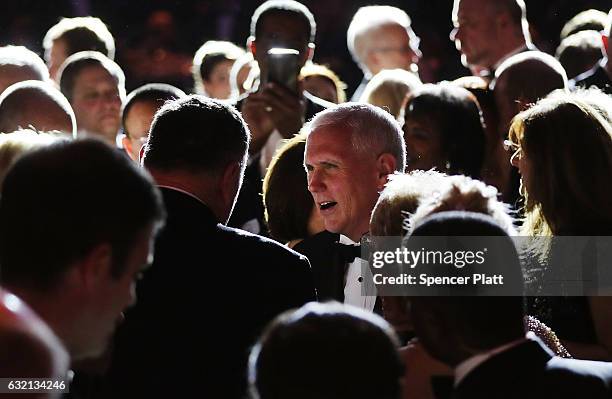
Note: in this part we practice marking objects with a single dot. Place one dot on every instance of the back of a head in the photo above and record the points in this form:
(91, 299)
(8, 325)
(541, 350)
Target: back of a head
(579, 52)
(585, 20)
(196, 134)
(77, 62)
(17, 64)
(456, 114)
(326, 351)
(81, 34)
(372, 129)
(288, 204)
(286, 8)
(462, 193)
(21, 105)
(388, 89)
(400, 198)
(157, 93)
(94, 182)
(529, 76)
(479, 323)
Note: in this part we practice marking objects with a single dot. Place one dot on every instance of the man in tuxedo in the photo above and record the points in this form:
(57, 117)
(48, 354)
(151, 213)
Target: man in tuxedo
(211, 288)
(350, 151)
(487, 32)
(483, 338)
(380, 37)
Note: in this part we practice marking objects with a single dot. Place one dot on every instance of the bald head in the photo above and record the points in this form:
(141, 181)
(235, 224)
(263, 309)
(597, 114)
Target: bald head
(523, 79)
(21, 105)
(17, 64)
(29, 347)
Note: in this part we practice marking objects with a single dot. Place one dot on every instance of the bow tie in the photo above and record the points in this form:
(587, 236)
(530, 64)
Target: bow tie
(348, 253)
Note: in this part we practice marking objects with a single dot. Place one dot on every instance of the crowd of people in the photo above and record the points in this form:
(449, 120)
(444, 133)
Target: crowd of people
(209, 243)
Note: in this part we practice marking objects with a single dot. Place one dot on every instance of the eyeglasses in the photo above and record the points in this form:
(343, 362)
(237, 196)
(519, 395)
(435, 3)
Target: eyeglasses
(511, 146)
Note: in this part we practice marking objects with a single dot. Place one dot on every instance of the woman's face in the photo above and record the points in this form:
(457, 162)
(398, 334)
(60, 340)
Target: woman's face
(520, 160)
(423, 145)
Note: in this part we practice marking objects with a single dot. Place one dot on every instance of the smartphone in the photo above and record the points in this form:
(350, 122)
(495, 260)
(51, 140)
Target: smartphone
(283, 67)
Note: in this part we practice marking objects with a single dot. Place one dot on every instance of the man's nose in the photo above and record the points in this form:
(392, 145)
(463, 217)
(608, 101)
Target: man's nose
(453, 34)
(315, 182)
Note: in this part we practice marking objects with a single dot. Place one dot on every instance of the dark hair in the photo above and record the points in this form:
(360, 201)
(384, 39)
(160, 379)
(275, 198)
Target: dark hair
(326, 351)
(196, 133)
(284, 8)
(81, 34)
(579, 52)
(60, 201)
(157, 93)
(288, 203)
(585, 20)
(73, 65)
(456, 114)
(482, 322)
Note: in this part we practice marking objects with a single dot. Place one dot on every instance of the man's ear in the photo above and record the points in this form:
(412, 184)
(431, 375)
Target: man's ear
(385, 165)
(251, 45)
(95, 267)
(127, 146)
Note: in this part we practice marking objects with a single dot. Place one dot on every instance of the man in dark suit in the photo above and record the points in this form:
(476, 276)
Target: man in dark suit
(211, 288)
(483, 338)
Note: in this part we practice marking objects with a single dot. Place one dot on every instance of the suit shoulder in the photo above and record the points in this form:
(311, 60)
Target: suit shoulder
(264, 246)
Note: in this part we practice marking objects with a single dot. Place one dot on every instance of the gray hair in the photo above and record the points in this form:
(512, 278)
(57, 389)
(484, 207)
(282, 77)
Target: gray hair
(371, 129)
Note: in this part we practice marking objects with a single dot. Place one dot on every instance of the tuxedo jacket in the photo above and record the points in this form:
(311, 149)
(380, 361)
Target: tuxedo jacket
(202, 305)
(530, 370)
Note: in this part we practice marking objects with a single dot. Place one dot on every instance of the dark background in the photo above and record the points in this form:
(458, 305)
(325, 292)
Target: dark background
(156, 39)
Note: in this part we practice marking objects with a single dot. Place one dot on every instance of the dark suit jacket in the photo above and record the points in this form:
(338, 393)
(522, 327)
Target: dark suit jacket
(202, 305)
(530, 370)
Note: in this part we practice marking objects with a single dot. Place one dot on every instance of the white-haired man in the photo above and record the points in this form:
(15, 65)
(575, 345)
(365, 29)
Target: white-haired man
(380, 37)
(350, 151)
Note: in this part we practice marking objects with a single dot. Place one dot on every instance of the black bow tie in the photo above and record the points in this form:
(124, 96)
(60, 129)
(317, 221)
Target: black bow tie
(348, 253)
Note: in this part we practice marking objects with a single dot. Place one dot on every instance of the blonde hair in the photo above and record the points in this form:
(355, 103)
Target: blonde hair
(15, 144)
(388, 89)
(400, 198)
(462, 193)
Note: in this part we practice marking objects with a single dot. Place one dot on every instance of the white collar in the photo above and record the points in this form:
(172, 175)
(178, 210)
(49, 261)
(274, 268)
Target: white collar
(347, 241)
(467, 366)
